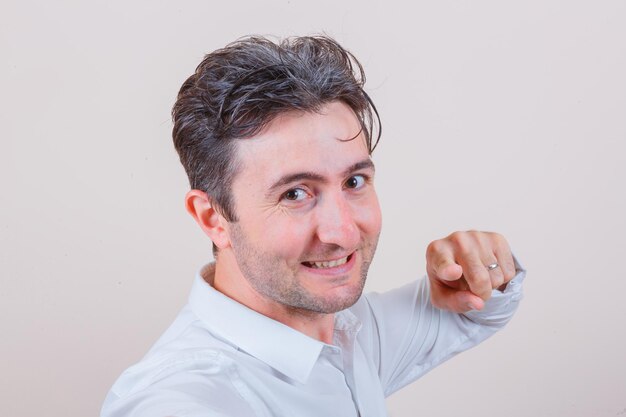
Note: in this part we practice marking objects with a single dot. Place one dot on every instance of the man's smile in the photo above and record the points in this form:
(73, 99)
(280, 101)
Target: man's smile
(332, 266)
(327, 264)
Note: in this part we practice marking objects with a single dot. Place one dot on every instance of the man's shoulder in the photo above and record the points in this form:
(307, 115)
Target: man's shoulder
(162, 365)
(187, 366)
(191, 381)
(186, 346)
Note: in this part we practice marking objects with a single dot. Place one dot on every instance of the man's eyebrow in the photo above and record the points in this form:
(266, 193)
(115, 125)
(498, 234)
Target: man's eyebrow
(364, 164)
(298, 176)
(312, 176)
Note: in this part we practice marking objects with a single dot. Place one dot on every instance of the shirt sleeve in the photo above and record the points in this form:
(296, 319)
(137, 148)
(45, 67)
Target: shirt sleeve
(407, 336)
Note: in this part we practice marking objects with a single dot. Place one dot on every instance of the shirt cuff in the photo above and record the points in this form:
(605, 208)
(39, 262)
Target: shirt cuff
(513, 287)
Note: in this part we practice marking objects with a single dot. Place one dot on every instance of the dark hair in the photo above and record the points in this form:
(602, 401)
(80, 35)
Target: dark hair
(238, 90)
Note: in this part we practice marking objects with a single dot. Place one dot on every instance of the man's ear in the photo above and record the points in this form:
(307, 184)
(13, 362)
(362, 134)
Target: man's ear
(210, 221)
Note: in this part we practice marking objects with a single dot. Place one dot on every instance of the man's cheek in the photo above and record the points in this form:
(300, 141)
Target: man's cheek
(288, 239)
(370, 217)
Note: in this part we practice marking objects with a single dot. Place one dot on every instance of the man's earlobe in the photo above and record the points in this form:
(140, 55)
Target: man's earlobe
(212, 223)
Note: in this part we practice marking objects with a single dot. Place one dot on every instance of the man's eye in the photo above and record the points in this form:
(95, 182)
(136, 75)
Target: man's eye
(295, 194)
(356, 181)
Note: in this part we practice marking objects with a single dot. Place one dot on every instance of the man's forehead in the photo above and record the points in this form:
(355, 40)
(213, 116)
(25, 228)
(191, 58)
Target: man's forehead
(329, 140)
(321, 163)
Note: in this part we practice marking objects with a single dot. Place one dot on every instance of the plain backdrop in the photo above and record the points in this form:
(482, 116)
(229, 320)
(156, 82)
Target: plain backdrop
(497, 115)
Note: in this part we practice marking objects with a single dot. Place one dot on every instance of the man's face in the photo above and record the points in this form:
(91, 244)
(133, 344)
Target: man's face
(308, 214)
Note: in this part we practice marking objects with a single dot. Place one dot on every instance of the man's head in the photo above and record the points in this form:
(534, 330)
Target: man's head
(236, 91)
(276, 139)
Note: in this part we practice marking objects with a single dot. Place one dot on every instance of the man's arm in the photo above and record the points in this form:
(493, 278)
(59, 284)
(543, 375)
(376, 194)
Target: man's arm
(414, 328)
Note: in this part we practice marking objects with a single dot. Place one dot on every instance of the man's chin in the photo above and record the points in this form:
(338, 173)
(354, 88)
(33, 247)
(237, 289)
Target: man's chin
(343, 298)
(346, 295)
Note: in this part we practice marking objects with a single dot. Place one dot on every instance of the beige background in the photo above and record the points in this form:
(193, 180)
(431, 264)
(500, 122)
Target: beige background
(507, 116)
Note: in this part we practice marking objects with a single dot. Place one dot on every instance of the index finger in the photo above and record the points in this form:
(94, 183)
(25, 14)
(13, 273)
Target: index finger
(440, 262)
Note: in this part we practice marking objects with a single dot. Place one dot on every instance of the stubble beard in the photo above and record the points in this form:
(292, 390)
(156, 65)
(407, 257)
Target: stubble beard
(271, 277)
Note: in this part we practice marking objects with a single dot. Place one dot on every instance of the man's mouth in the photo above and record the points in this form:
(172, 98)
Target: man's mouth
(327, 264)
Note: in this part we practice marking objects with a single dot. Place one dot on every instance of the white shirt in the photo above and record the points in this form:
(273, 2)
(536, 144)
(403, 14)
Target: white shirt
(220, 358)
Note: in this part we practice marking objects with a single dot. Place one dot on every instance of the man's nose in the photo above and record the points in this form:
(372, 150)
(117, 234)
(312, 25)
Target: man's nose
(336, 222)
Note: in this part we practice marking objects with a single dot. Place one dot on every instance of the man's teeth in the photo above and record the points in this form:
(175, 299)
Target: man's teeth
(328, 264)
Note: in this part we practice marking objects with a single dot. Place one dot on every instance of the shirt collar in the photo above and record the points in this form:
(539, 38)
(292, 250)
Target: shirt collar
(287, 350)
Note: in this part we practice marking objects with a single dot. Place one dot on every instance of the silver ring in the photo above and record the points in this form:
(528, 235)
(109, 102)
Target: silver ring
(492, 266)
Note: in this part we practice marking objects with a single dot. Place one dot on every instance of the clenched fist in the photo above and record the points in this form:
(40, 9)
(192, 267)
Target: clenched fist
(465, 267)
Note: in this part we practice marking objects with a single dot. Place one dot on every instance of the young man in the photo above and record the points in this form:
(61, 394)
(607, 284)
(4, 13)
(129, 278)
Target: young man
(276, 140)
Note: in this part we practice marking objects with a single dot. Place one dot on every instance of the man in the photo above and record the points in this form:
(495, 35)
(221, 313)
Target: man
(276, 140)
